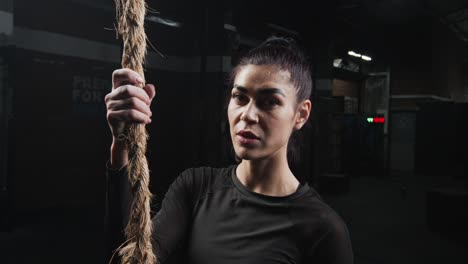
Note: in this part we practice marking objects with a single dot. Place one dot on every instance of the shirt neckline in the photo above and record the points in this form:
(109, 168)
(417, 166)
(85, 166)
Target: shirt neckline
(301, 190)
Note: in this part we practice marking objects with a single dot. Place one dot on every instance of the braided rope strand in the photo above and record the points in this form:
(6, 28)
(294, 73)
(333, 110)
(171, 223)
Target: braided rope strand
(138, 250)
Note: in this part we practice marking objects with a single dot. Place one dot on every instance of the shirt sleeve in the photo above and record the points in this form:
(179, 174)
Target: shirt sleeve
(170, 224)
(334, 246)
(118, 201)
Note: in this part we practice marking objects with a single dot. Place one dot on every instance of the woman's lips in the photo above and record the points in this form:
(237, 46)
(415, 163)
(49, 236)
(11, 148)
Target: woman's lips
(246, 140)
(247, 137)
(247, 134)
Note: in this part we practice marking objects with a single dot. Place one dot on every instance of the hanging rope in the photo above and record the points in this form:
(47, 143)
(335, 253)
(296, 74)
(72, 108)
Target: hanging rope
(138, 248)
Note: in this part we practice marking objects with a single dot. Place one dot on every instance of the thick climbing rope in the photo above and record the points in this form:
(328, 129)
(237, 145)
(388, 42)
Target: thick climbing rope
(138, 248)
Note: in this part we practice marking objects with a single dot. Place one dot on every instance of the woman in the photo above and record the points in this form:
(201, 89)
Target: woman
(252, 212)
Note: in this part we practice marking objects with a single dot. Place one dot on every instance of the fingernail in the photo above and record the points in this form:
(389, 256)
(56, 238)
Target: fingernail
(139, 79)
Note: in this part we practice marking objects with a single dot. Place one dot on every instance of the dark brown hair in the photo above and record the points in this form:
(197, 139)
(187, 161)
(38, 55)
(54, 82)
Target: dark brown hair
(284, 53)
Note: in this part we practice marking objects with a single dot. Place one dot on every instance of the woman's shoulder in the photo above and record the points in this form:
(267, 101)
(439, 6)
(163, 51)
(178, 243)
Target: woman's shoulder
(205, 179)
(314, 208)
(325, 231)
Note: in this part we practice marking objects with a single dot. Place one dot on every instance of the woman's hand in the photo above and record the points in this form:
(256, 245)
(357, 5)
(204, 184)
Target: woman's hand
(126, 103)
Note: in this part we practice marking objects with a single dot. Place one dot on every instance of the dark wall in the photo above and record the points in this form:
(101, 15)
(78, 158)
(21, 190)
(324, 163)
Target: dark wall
(58, 130)
(59, 135)
(441, 145)
(427, 59)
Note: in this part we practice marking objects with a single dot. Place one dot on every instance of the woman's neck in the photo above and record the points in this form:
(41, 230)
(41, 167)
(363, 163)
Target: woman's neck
(269, 177)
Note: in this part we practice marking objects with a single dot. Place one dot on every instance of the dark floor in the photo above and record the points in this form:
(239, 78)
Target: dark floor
(386, 217)
(55, 236)
(387, 220)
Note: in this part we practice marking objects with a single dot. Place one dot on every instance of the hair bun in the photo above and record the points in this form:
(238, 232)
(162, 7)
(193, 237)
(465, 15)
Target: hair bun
(279, 41)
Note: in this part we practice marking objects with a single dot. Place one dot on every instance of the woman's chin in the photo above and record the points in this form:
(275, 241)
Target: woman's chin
(246, 154)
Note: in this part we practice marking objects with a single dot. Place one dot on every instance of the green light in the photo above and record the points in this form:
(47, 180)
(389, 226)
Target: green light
(370, 120)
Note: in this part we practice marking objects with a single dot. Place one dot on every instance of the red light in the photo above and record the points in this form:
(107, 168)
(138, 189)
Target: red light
(379, 120)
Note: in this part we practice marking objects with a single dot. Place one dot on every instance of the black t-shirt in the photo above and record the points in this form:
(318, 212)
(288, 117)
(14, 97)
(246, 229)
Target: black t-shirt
(209, 216)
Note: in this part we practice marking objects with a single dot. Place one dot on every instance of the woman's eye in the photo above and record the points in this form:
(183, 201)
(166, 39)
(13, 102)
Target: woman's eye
(270, 102)
(239, 97)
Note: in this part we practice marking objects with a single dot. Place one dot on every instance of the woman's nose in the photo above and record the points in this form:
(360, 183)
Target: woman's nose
(250, 113)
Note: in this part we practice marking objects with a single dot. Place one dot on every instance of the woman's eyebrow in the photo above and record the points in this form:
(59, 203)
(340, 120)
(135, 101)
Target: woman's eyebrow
(265, 90)
(268, 90)
(240, 88)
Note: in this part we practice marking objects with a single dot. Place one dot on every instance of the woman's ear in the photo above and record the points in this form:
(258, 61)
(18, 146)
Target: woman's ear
(303, 113)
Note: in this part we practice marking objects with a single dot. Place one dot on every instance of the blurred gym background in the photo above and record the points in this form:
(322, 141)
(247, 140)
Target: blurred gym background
(387, 146)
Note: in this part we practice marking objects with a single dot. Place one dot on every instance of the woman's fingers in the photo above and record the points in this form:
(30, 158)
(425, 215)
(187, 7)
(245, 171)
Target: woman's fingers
(118, 120)
(150, 90)
(127, 91)
(127, 116)
(129, 103)
(129, 78)
(125, 76)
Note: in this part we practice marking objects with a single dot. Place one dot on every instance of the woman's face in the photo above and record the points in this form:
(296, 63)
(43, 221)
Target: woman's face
(262, 112)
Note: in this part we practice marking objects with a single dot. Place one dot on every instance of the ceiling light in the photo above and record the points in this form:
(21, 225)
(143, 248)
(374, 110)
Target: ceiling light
(352, 53)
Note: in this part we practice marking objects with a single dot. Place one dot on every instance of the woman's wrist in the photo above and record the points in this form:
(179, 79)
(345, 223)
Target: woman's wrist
(119, 154)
